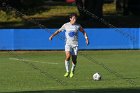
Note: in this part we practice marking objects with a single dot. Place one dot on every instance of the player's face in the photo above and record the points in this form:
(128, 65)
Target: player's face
(73, 19)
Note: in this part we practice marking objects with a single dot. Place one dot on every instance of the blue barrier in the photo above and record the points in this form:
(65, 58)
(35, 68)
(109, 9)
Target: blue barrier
(6, 39)
(100, 38)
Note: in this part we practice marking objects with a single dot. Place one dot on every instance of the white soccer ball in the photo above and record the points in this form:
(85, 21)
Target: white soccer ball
(96, 76)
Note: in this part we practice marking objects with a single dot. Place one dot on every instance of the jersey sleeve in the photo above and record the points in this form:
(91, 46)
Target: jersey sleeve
(62, 28)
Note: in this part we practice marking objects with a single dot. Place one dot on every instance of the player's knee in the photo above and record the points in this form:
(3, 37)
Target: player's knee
(67, 58)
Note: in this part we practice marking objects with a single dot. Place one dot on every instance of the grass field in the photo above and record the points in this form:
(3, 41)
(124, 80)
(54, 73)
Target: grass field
(42, 72)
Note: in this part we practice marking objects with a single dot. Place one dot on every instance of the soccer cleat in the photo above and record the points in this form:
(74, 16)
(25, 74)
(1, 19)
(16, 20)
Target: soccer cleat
(71, 74)
(66, 74)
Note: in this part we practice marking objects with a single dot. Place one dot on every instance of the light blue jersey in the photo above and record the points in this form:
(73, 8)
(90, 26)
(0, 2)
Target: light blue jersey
(71, 33)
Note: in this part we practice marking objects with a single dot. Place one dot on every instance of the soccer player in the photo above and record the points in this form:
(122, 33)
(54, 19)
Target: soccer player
(71, 47)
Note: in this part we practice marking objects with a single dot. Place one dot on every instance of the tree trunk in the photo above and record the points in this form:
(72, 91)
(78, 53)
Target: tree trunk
(93, 6)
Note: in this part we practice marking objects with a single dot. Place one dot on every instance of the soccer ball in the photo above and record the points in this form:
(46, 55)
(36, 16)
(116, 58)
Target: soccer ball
(96, 76)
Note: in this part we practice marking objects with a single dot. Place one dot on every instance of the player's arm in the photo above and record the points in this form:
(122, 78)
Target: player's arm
(54, 34)
(85, 35)
(58, 31)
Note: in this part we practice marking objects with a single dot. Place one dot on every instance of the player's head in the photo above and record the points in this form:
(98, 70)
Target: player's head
(73, 18)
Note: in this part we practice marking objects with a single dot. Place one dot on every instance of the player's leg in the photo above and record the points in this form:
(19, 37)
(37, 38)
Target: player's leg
(67, 60)
(74, 60)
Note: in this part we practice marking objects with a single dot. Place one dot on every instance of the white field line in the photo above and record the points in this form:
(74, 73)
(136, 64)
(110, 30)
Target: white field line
(27, 60)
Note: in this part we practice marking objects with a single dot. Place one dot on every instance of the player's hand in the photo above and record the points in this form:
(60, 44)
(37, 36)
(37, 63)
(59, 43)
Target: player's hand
(50, 38)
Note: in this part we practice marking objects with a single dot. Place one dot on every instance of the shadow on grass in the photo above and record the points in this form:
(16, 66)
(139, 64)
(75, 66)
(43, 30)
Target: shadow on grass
(110, 90)
(53, 22)
(44, 6)
(58, 21)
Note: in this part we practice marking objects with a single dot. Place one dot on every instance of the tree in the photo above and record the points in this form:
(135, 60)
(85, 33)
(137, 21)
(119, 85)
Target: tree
(134, 6)
(127, 6)
(122, 5)
(22, 4)
(93, 6)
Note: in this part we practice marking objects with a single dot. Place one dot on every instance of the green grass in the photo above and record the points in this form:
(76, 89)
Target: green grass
(51, 11)
(42, 72)
(63, 9)
(56, 11)
(109, 9)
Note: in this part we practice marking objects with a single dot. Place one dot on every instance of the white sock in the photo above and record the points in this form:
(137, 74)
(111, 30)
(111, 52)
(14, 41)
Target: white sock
(73, 67)
(67, 65)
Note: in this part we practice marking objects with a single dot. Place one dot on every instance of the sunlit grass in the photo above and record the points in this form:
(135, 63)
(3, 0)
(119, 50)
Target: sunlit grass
(23, 71)
(109, 8)
(58, 10)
